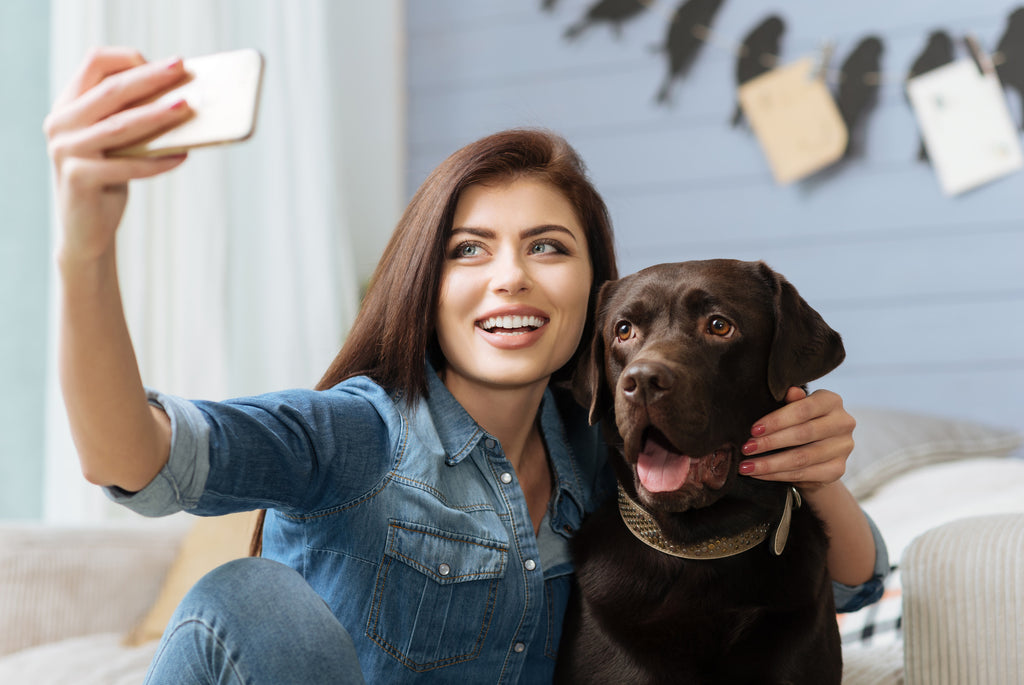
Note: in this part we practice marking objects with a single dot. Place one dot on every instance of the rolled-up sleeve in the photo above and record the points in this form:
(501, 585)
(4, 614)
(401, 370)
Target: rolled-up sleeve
(853, 597)
(181, 481)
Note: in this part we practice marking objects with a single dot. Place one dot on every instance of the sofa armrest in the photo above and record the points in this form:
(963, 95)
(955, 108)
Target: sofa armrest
(60, 582)
(963, 602)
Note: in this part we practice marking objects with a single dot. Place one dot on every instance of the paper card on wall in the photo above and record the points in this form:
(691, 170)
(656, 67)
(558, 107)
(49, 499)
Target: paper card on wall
(795, 119)
(965, 124)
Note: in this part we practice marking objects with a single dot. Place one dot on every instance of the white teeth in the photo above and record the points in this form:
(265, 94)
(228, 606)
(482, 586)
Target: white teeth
(511, 322)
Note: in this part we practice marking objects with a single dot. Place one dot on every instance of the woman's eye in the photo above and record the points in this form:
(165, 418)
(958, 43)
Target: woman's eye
(720, 326)
(623, 330)
(545, 248)
(467, 250)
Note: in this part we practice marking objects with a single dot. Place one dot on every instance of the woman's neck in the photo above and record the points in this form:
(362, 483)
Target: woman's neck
(509, 414)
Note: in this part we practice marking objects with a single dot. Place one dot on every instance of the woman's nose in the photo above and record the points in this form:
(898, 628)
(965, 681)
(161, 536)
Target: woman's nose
(510, 275)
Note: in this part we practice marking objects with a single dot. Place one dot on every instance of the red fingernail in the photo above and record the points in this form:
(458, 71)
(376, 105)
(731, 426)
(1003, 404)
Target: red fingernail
(750, 447)
(179, 104)
(173, 63)
(747, 468)
(757, 430)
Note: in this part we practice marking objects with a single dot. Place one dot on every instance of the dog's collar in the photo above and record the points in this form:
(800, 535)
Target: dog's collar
(641, 524)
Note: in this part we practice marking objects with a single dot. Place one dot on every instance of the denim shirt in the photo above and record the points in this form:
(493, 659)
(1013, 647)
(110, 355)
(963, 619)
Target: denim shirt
(407, 518)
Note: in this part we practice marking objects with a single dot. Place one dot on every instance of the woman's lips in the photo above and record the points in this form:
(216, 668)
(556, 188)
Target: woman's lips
(511, 324)
(512, 331)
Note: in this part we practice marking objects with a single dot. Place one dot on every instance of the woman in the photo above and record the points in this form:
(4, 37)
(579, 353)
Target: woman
(425, 492)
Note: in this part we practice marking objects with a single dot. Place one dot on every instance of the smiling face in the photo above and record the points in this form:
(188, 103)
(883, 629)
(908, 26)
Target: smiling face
(514, 288)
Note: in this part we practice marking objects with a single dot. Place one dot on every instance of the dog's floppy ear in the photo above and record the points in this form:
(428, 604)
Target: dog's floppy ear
(589, 386)
(804, 347)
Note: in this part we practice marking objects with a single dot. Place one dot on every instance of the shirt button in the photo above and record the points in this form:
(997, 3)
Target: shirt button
(505, 478)
(519, 647)
(444, 569)
(490, 444)
(530, 564)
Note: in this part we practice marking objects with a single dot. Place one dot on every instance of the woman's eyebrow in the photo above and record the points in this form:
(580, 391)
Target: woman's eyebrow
(527, 233)
(546, 228)
(478, 232)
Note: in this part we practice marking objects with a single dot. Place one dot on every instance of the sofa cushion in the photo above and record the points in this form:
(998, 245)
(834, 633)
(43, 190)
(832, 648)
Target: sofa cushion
(909, 508)
(61, 582)
(890, 443)
(964, 603)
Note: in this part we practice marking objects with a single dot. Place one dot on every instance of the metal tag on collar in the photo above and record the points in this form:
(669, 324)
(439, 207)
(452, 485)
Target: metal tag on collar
(782, 532)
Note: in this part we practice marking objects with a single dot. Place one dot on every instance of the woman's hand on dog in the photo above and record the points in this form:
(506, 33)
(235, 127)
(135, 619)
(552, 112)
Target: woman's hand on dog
(814, 436)
(811, 437)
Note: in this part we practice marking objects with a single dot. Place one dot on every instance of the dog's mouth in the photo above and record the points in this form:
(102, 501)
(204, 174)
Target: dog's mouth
(661, 467)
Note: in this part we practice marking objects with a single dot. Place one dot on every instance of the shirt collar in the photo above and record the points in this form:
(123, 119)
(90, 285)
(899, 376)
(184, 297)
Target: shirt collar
(459, 435)
(457, 430)
(565, 467)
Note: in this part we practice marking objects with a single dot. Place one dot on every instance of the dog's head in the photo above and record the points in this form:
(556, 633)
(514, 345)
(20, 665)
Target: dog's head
(685, 358)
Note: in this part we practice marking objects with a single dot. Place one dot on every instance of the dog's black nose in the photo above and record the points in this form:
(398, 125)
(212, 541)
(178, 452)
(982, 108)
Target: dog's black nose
(647, 382)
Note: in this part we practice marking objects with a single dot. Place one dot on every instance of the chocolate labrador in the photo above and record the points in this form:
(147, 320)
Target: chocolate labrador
(697, 574)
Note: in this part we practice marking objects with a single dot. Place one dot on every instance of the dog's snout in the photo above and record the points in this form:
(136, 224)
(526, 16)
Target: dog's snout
(647, 382)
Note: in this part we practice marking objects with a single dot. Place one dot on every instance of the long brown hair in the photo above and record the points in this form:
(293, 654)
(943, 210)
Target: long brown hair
(395, 326)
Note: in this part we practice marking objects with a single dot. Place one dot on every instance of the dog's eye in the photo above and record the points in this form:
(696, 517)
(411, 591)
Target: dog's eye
(624, 330)
(720, 326)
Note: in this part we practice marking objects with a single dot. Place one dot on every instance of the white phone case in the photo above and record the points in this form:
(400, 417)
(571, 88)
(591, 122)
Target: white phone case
(224, 92)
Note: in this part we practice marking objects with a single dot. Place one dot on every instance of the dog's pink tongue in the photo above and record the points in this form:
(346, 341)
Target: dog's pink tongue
(661, 470)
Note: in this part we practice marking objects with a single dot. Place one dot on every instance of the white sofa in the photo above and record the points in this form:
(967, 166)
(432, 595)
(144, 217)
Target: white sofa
(954, 606)
(86, 606)
(948, 496)
(70, 596)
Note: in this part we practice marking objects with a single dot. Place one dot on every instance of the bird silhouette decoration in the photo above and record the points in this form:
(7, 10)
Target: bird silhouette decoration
(1009, 56)
(687, 33)
(614, 12)
(759, 53)
(937, 52)
(857, 92)
(860, 75)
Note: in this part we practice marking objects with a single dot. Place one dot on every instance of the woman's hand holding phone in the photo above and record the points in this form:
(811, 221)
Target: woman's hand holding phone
(122, 118)
(115, 100)
(98, 112)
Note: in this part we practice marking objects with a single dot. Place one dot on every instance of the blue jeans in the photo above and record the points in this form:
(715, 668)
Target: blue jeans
(254, 621)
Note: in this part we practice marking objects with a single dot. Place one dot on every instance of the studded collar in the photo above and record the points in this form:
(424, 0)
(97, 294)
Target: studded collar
(642, 525)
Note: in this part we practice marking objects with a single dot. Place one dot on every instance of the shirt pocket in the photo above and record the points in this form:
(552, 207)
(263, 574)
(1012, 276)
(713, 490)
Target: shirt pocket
(435, 594)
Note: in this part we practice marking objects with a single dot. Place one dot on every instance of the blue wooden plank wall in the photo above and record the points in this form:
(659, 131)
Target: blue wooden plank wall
(927, 291)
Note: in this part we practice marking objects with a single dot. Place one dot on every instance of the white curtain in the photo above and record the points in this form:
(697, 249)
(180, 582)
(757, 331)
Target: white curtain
(236, 268)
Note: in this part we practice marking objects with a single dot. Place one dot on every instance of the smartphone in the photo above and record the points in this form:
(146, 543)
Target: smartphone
(223, 90)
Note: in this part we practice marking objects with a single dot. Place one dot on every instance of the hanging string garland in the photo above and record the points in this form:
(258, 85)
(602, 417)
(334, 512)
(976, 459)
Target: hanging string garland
(854, 84)
(691, 28)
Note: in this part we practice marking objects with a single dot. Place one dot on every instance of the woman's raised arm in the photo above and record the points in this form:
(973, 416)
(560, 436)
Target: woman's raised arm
(121, 440)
